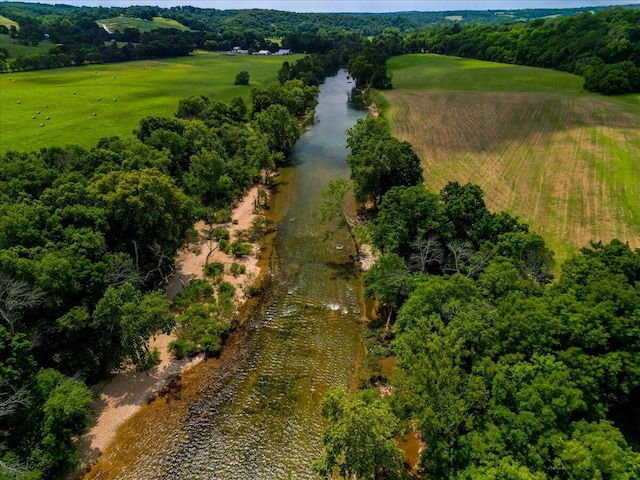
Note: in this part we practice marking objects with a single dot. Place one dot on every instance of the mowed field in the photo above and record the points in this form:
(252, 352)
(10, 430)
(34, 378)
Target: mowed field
(119, 95)
(565, 161)
(120, 23)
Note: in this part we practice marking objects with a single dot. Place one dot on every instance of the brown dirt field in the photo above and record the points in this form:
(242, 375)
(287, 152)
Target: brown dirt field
(560, 163)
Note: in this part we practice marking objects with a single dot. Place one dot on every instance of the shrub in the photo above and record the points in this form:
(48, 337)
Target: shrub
(240, 249)
(191, 235)
(242, 78)
(182, 348)
(150, 360)
(225, 246)
(236, 269)
(214, 270)
(195, 291)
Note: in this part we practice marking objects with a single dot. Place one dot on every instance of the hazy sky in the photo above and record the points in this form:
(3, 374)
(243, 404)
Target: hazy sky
(353, 5)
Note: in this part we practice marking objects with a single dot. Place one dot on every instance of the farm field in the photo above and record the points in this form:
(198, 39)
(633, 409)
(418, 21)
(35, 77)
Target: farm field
(119, 95)
(16, 49)
(120, 23)
(565, 161)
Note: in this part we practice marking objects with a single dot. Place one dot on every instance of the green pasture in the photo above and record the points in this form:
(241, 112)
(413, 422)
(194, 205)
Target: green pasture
(562, 159)
(438, 72)
(141, 88)
(7, 22)
(15, 49)
(120, 23)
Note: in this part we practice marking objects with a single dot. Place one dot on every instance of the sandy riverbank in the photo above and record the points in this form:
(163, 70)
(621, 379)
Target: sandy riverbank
(121, 397)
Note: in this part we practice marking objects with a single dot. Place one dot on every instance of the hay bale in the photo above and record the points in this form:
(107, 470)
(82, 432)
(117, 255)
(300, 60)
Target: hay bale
(48, 118)
(42, 124)
(115, 99)
(94, 114)
(74, 93)
(38, 112)
(33, 117)
(18, 102)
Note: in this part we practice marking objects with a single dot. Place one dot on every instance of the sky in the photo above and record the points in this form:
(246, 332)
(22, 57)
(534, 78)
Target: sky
(362, 6)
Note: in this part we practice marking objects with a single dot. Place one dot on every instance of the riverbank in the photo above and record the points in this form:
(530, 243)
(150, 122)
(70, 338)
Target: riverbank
(118, 399)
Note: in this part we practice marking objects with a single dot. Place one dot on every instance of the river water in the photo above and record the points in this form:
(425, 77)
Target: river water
(256, 416)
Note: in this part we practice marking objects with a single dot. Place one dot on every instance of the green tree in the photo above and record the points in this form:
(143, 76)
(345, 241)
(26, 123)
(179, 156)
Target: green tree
(279, 128)
(380, 164)
(123, 321)
(148, 216)
(358, 441)
(242, 78)
(333, 207)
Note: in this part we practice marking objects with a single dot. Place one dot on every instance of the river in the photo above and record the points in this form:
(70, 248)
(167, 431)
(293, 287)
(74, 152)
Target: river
(255, 413)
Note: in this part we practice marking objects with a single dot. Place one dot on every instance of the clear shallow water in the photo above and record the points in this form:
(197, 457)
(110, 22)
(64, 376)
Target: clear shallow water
(258, 416)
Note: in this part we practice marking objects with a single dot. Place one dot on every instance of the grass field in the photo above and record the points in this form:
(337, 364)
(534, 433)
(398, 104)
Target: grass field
(16, 49)
(120, 23)
(7, 22)
(140, 89)
(563, 160)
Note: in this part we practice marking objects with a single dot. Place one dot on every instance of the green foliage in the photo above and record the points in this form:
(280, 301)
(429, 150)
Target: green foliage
(236, 269)
(508, 377)
(379, 161)
(195, 291)
(214, 270)
(125, 319)
(226, 293)
(279, 128)
(198, 330)
(242, 78)
(602, 46)
(358, 441)
(151, 359)
(241, 249)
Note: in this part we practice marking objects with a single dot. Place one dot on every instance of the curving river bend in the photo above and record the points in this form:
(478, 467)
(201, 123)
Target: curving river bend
(254, 413)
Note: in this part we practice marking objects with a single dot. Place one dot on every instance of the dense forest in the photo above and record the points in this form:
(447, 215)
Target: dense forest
(503, 370)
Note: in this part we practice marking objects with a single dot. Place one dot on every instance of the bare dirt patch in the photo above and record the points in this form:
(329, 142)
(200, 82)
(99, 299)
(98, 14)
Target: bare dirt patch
(560, 163)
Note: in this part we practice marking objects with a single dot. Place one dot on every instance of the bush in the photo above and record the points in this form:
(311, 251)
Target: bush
(220, 234)
(150, 360)
(214, 270)
(191, 235)
(225, 246)
(195, 291)
(242, 78)
(236, 269)
(182, 348)
(240, 249)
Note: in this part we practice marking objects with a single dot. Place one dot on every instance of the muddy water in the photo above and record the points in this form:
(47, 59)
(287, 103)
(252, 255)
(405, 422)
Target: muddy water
(256, 416)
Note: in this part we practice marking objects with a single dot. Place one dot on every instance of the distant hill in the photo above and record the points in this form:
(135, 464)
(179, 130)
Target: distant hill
(120, 23)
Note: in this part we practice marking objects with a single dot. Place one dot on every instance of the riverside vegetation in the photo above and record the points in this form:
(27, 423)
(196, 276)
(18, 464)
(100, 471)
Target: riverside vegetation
(503, 370)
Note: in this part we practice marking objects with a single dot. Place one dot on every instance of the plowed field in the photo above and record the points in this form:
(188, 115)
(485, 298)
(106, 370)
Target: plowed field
(567, 162)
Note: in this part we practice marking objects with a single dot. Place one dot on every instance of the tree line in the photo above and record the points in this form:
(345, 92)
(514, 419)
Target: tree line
(602, 47)
(88, 235)
(503, 370)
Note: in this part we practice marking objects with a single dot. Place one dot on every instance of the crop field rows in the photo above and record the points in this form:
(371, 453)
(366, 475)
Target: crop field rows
(565, 162)
(87, 103)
